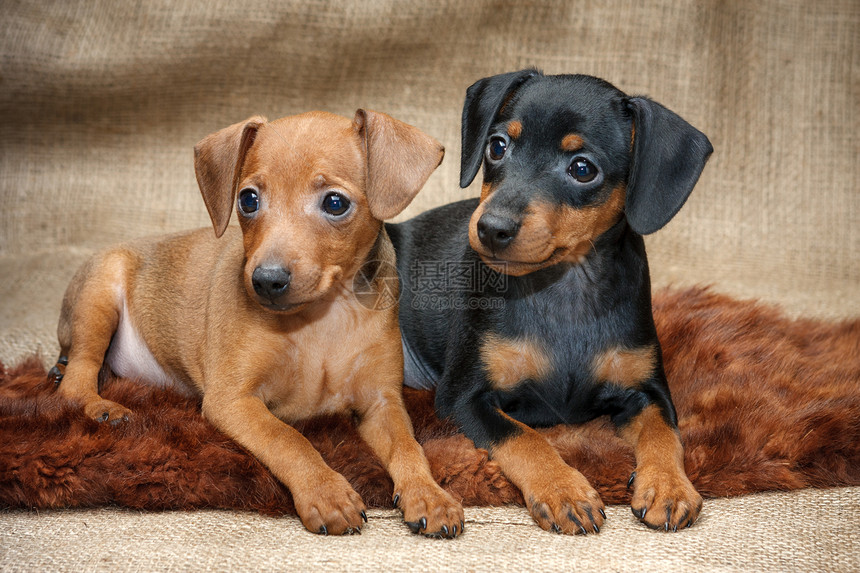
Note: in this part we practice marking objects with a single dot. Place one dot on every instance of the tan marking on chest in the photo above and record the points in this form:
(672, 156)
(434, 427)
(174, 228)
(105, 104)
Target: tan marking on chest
(626, 367)
(509, 362)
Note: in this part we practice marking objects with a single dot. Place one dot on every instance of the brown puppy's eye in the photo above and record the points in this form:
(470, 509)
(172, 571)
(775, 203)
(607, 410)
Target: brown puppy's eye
(496, 148)
(582, 170)
(335, 204)
(249, 201)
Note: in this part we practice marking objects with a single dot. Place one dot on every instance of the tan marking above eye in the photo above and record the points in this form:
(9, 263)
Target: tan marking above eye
(509, 362)
(627, 367)
(515, 128)
(486, 189)
(571, 142)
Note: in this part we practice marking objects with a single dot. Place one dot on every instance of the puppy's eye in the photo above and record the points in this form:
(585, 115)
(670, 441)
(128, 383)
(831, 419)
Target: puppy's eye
(496, 148)
(582, 170)
(335, 204)
(249, 201)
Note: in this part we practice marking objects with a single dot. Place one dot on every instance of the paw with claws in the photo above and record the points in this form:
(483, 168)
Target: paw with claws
(565, 503)
(329, 506)
(664, 500)
(102, 410)
(429, 510)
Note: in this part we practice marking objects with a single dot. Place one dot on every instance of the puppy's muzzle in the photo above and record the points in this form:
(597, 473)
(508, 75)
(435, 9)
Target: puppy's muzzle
(271, 283)
(497, 233)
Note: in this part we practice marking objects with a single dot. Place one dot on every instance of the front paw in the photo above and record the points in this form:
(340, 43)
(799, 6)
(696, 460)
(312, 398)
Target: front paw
(430, 510)
(329, 505)
(664, 499)
(102, 410)
(563, 501)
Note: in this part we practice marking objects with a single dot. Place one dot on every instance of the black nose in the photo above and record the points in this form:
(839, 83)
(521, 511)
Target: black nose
(271, 282)
(495, 232)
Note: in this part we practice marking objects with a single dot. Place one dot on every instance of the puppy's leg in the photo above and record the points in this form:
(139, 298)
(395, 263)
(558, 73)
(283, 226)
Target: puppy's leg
(558, 497)
(663, 497)
(324, 500)
(427, 508)
(88, 320)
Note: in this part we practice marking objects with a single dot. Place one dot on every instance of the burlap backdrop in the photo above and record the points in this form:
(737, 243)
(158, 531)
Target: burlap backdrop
(101, 103)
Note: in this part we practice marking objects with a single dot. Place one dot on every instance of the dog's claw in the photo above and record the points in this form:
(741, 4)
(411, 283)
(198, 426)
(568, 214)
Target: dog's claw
(631, 480)
(396, 499)
(414, 527)
(601, 512)
(363, 516)
(445, 530)
(455, 530)
(323, 529)
(54, 375)
(423, 522)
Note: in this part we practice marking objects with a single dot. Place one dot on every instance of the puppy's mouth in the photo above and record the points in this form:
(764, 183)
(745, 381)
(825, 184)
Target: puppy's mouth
(519, 268)
(282, 308)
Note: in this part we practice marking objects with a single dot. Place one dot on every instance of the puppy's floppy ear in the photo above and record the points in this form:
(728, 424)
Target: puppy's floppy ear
(668, 157)
(218, 160)
(399, 158)
(484, 99)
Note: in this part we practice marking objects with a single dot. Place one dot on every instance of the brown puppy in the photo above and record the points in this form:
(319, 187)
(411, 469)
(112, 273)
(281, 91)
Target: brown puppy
(264, 321)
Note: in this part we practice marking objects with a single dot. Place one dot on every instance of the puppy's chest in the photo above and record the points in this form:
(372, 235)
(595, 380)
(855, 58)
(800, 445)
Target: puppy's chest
(558, 348)
(327, 366)
(557, 339)
(311, 377)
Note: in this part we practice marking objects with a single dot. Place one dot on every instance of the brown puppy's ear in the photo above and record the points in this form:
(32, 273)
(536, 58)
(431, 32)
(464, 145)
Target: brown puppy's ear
(400, 158)
(218, 160)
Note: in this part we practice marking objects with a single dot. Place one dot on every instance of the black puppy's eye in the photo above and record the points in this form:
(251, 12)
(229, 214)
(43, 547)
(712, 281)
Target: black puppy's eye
(582, 170)
(335, 204)
(496, 148)
(249, 201)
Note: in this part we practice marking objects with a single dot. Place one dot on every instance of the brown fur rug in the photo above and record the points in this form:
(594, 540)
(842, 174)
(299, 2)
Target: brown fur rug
(764, 403)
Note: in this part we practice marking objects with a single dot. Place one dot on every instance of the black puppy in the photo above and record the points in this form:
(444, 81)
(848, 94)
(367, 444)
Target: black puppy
(531, 306)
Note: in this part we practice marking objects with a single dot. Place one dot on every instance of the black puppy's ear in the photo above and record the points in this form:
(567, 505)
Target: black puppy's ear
(484, 98)
(668, 157)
